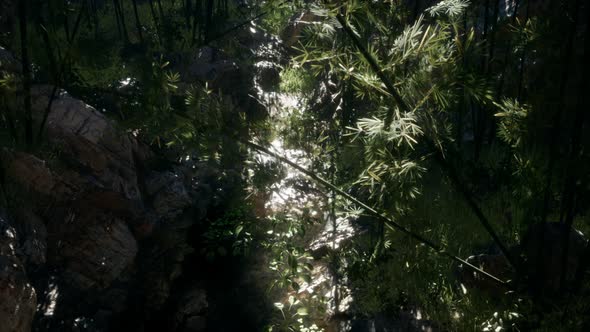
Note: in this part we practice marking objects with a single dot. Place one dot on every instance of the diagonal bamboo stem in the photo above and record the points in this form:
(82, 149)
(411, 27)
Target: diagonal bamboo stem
(440, 159)
(390, 223)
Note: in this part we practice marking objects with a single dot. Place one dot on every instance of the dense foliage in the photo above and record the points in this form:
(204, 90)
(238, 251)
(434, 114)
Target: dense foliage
(460, 124)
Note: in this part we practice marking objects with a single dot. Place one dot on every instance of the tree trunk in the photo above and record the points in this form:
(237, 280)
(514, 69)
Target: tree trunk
(208, 20)
(119, 9)
(137, 21)
(28, 117)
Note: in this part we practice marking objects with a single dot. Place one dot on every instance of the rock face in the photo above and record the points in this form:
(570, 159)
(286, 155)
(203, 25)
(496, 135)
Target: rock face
(96, 252)
(211, 65)
(190, 315)
(95, 228)
(8, 62)
(168, 193)
(91, 141)
(17, 297)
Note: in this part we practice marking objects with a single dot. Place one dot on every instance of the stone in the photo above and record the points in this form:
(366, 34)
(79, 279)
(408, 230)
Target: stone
(8, 62)
(33, 237)
(168, 193)
(33, 178)
(212, 66)
(89, 140)
(191, 313)
(18, 299)
(92, 248)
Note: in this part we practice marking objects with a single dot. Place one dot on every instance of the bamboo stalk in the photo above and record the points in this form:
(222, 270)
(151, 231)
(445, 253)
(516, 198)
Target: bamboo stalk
(26, 65)
(390, 223)
(439, 157)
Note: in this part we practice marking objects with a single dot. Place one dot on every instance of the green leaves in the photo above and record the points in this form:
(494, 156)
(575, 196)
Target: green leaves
(450, 8)
(512, 127)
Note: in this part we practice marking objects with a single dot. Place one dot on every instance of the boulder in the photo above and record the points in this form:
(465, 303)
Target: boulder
(90, 141)
(8, 63)
(191, 312)
(32, 177)
(92, 248)
(17, 297)
(33, 237)
(168, 193)
(212, 66)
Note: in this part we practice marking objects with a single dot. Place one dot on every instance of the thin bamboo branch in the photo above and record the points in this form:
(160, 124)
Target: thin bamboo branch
(390, 223)
(440, 159)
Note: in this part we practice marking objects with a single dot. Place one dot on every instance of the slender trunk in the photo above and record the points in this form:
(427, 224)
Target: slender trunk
(484, 34)
(48, 49)
(208, 20)
(489, 70)
(66, 25)
(492, 38)
(155, 19)
(122, 19)
(60, 73)
(94, 10)
(9, 119)
(463, 100)
(556, 119)
(479, 125)
(500, 87)
(160, 9)
(196, 21)
(574, 155)
(137, 21)
(116, 8)
(522, 58)
(188, 13)
(26, 65)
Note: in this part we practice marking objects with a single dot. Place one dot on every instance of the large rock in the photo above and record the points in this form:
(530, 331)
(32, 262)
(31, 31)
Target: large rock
(33, 237)
(90, 141)
(33, 178)
(211, 65)
(191, 312)
(168, 193)
(92, 248)
(17, 297)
